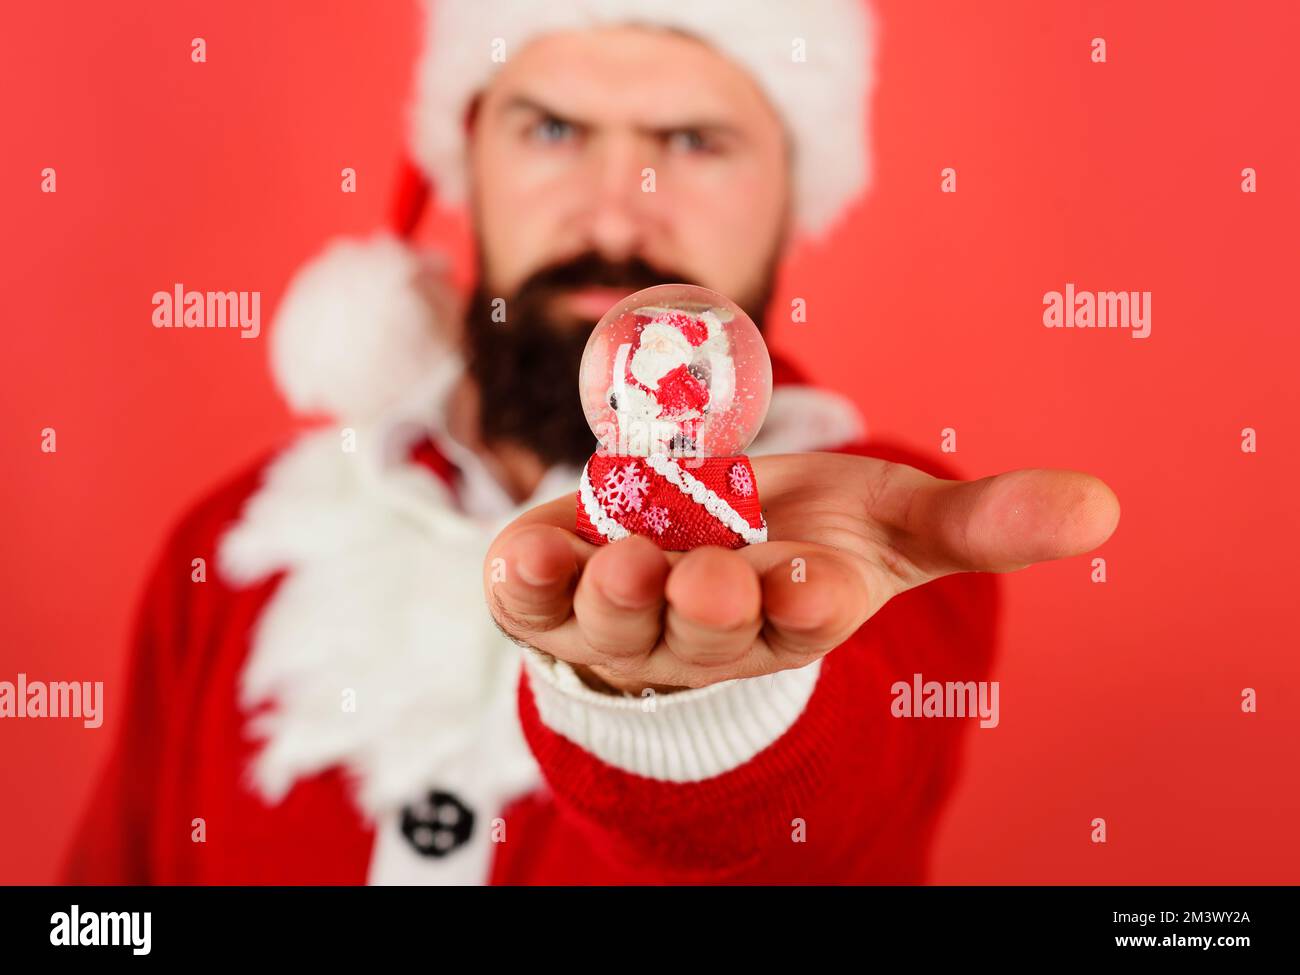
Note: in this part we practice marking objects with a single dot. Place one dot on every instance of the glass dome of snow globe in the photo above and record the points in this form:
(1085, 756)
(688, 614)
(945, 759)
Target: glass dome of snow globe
(675, 370)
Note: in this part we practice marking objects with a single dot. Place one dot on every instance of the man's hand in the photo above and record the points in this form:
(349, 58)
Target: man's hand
(629, 616)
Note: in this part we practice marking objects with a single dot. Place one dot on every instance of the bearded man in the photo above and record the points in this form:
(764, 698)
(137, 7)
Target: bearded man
(408, 668)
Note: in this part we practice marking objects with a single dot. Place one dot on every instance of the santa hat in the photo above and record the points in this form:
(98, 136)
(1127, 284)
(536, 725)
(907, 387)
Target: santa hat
(353, 332)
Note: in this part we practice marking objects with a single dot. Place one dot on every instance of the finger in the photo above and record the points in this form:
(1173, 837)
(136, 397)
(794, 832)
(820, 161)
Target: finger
(619, 602)
(814, 597)
(1006, 522)
(714, 612)
(531, 580)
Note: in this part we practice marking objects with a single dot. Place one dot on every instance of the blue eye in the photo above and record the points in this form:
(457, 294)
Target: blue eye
(552, 129)
(688, 141)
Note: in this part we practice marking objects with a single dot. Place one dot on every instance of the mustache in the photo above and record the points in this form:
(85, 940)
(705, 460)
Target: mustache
(593, 270)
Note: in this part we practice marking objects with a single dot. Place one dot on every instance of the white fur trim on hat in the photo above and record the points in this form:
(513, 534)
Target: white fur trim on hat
(823, 98)
(353, 332)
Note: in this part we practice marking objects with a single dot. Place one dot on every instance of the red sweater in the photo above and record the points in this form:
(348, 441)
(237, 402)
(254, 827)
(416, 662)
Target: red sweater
(847, 794)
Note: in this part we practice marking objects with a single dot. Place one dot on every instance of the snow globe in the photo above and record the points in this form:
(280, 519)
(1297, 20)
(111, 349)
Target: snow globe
(675, 382)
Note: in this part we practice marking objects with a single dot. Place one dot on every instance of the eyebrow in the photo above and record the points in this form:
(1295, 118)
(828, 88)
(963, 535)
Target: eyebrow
(523, 103)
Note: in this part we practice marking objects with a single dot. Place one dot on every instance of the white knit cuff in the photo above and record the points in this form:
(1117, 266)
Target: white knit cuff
(686, 736)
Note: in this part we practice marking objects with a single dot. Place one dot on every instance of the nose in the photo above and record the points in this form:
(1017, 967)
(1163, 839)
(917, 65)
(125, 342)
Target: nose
(619, 204)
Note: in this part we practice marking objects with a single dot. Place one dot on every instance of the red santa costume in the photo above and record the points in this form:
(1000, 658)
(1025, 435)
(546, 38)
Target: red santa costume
(334, 703)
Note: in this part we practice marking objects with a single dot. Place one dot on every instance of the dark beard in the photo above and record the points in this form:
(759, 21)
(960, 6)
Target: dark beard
(526, 368)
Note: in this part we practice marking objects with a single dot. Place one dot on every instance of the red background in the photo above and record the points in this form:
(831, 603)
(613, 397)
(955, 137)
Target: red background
(1119, 700)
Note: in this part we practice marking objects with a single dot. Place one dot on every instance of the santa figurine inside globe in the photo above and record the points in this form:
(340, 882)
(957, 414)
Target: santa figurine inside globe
(675, 383)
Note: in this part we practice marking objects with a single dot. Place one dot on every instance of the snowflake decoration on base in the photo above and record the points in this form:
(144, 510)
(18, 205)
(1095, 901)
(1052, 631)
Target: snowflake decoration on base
(656, 519)
(625, 489)
(741, 481)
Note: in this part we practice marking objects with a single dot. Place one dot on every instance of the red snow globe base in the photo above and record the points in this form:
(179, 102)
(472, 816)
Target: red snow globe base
(678, 503)
(675, 382)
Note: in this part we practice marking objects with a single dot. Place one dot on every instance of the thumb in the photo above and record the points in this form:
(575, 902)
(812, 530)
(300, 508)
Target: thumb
(1008, 521)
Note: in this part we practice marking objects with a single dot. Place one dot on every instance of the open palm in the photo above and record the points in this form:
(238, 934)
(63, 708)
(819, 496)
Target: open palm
(845, 535)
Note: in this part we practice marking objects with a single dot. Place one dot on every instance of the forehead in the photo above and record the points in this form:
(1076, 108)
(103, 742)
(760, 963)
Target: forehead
(630, 75)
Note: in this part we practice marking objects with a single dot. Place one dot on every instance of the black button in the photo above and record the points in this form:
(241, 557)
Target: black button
(438, 825)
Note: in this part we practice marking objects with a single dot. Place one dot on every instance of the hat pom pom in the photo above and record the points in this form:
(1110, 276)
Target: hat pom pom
(354, 330)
